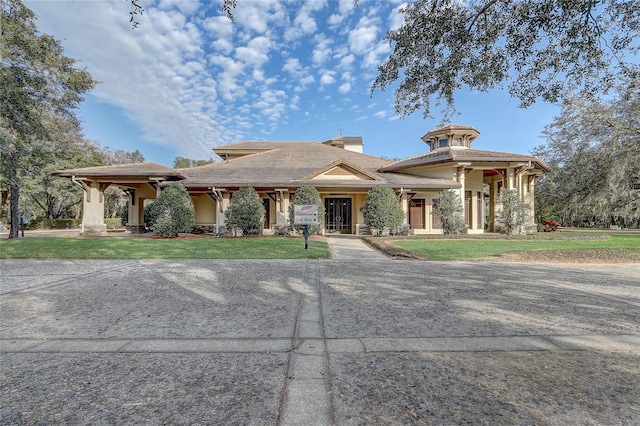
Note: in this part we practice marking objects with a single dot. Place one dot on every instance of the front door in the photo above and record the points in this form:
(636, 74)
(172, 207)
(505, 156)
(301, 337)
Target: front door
(338, 215)
(416, 214)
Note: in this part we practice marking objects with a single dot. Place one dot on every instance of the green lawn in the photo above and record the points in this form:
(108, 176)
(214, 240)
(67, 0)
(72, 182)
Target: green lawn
(147, 248)
(620, 247)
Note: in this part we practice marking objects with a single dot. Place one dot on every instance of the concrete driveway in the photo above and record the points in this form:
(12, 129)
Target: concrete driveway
(345, 342)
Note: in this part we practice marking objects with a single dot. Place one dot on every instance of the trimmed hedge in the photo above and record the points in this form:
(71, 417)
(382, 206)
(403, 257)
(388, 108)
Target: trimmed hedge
(112, 223)
(53, 224)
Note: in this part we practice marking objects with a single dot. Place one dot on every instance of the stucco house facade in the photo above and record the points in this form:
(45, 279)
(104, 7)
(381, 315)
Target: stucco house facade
(341, 173)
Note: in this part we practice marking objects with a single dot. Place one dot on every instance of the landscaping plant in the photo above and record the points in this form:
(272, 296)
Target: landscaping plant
(450, 211)
(381, 210)
(172, 212)
(246, 211)
(514, 213)
(308, 195)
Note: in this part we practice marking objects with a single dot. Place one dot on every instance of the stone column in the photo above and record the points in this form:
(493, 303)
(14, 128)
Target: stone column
(511, 178)
(492, 204)
(93, 209)
(404, 203)
(135, 221)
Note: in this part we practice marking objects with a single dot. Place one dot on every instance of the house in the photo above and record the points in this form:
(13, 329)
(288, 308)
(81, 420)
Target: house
(339, 170)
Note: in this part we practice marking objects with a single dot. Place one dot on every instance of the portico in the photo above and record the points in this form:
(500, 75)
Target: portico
(139, 181)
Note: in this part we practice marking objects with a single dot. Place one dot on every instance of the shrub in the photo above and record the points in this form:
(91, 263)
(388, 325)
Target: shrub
(550, 225)
(308, 195)
(451, 212)
(113, 222)
(514, 211)
(245, 211)
(172, 212)
(42, 223)
(381, 210)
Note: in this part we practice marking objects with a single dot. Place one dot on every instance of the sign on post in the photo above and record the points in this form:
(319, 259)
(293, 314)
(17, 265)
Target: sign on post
(305, 214)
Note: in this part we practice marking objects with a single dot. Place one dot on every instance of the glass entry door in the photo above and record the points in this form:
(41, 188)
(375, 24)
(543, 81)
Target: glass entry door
(338, 215)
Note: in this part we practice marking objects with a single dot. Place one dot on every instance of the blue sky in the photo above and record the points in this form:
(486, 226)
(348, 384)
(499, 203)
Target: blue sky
(189, 78)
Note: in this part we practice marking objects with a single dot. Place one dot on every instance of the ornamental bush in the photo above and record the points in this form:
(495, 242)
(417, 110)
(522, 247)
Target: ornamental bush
(245, 212)
(172, 212)
(382, 210)
(308, 195)
(514, 213)
(449, 209)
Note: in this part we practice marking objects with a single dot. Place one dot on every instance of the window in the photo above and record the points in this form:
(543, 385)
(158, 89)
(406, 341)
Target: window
(442, 143)
(457, 142)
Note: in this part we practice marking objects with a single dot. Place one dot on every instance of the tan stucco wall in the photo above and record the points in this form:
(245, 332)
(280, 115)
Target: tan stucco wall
(205, 208)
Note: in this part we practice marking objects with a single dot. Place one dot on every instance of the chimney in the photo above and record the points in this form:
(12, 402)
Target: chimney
(350, 143)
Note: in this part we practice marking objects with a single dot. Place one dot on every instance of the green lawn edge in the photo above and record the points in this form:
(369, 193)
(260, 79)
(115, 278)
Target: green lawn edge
(570, 247)
(149, 248)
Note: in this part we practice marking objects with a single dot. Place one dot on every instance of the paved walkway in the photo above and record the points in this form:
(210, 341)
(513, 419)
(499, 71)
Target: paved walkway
(351, 247)
(351, 340)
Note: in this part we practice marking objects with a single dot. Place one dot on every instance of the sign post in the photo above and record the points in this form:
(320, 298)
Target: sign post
(305, 214)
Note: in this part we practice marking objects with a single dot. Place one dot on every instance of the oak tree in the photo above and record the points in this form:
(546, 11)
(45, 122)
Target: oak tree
(542, 49)
(37, 83)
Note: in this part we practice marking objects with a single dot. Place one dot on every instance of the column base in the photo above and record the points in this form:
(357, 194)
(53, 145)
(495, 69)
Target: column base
(99, 230)
(137, 229)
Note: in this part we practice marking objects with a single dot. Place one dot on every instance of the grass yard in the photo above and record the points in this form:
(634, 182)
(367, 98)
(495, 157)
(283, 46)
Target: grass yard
(556, 247)
(147, 248)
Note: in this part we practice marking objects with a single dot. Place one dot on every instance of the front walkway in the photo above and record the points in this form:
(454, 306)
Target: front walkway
(352, 248)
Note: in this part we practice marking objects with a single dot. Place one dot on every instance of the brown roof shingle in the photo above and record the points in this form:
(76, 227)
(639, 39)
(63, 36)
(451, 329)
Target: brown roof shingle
(448, 155)
(291, 164)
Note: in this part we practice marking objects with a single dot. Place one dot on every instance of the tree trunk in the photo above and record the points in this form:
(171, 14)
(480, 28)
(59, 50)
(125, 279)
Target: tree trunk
(14, 208)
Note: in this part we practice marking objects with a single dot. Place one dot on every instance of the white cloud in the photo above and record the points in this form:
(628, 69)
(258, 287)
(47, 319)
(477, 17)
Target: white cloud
(256, 52)
(347, 61)
(327, 77)
(304, 23)
(259, 16)
(191, 78)
(380, 114)
(218, 26)
(345, 88)
(363, 36)
(396, 19)
(297, 71)
(322, 50)
(345, 7)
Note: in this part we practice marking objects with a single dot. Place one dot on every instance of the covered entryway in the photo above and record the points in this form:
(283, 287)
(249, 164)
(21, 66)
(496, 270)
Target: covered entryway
(338, 215)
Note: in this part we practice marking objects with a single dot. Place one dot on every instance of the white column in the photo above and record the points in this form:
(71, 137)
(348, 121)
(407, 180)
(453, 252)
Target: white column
(93, 209)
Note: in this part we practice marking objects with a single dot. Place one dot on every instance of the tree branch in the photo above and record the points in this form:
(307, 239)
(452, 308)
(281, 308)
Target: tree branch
(481, 12)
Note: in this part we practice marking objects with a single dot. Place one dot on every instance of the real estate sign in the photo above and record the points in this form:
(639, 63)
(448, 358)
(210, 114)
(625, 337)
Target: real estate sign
(305, 214)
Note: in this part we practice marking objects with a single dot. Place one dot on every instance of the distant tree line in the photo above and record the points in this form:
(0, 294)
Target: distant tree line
(593, 149)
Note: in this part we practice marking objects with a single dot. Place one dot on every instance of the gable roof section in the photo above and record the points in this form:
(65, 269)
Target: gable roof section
(150, 170)
(448, 155)
(341, 169)
(292, 164)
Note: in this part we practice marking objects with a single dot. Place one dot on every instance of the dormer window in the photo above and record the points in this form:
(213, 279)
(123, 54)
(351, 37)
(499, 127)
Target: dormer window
(457, 142)
(443, 143)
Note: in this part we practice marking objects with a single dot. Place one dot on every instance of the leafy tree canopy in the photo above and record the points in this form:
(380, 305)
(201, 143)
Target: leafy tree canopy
(39, 86)
(593, 149)
(542, 48)
(186, 163)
